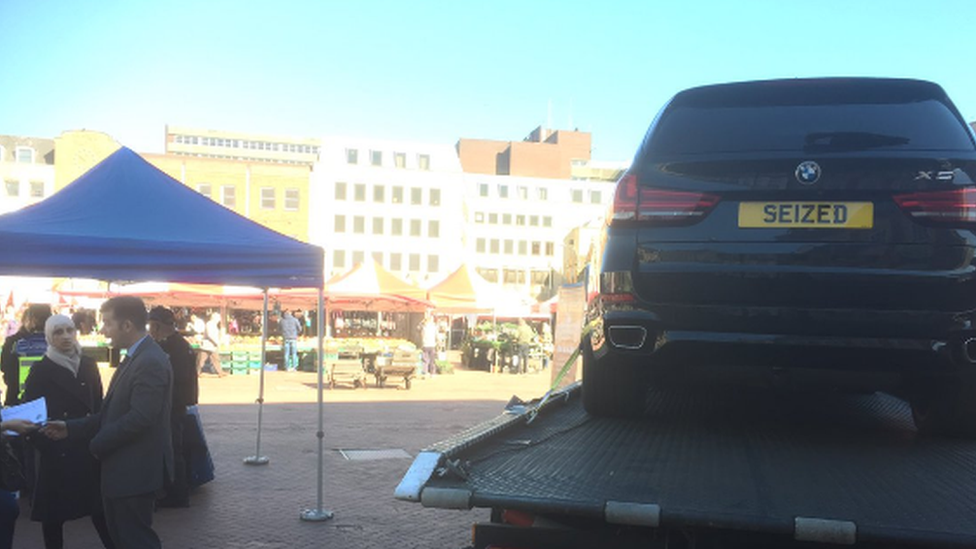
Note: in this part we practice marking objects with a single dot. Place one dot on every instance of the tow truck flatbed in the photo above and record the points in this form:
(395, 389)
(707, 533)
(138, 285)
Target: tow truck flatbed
(814, 467)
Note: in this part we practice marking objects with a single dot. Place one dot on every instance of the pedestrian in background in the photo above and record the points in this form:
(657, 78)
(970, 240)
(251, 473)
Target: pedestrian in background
(291, 328)
(210, 346)
(28, 341)
(186, 389)
(429, 341)
(67, 483)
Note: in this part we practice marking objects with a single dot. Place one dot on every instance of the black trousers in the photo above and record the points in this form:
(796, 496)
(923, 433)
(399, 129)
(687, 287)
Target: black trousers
(130, 521)
(179, 489)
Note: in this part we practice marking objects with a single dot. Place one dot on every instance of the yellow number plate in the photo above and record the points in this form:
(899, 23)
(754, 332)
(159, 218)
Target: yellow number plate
(801, 215)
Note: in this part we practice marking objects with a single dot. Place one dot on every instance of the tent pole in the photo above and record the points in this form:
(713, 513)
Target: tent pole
(257, 458)
(319, 514)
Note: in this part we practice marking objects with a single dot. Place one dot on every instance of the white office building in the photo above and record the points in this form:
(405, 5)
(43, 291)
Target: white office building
(398, 202)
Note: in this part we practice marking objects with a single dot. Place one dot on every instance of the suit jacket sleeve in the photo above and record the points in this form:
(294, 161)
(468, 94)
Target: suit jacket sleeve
(150, 390)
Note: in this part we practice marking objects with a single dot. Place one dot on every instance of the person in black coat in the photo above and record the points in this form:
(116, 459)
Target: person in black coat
(162, 328)
(67, 484)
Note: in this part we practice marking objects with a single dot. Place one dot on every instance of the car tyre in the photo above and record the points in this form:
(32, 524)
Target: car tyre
(946, 407)
(612, 390)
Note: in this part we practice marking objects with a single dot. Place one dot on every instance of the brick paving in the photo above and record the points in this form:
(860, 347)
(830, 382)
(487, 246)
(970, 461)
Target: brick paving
(257, 507)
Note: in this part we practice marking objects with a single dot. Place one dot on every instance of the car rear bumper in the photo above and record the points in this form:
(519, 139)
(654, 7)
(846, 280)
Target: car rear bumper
(875, 341)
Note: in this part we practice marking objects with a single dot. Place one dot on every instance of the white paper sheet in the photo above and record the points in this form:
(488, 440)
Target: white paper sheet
(35, 411)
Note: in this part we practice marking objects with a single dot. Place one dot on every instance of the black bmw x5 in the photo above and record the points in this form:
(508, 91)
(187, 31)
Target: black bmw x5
(808, 230)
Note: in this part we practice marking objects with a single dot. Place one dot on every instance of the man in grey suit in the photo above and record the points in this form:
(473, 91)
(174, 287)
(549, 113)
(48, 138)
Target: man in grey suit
(131, 434)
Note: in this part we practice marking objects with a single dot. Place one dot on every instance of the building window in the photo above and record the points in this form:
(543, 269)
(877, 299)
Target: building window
(523, 248)
(400, 160)
(480, 245)
(267, 198)
(533, 221)
(483, 190)
(340, 191)
(358, 224)
(340, 223)
(414, 227)
(376, 158)
(292, 201)
(479, 217)
(494, 245)
(378, 257)
(204, 189)
(506, 219)
(414, 262)
(433, 229)
(491, 275)
(352, 156)
(25, 155)
(523, 193)
(432, 264)
(510, 276)
(228, 196)
(416, 196)
(435, 197)
(509, 247)
(396, 261)
(493, 219)
(13, 187)
(377, 225)
(37, 189)
(520, 220)
(542, 193)
(396, 227)
(536, 248)
(358, 257)
(503, 191)
(379, 194)
(578, 196)
(359, 192)
(339, 259)
(595, 197)
(423, 162)
(550, 249)
(547, 221)
(397, 195)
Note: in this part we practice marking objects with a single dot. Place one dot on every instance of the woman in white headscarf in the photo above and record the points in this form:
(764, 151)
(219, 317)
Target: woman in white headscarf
(67, 484)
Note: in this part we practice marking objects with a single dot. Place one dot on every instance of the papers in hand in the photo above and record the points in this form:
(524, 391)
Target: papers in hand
(34, 411)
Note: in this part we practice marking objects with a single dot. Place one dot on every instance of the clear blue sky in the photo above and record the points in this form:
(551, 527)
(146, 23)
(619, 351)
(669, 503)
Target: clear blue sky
(437, 71)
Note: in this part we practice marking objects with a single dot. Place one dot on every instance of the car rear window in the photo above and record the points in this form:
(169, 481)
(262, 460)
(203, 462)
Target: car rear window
(805, 121)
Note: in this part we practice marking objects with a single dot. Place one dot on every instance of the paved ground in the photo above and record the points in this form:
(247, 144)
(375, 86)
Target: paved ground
(258, 507)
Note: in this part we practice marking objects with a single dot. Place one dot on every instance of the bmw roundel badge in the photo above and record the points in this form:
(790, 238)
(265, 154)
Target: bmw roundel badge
(808, 172)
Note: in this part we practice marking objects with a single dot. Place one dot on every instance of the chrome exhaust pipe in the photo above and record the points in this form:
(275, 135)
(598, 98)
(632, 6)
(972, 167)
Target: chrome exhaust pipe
(969, 350)
(633, 337)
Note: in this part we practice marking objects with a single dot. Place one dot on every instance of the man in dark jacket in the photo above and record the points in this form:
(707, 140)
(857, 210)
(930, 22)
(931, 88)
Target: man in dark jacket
(162, 328)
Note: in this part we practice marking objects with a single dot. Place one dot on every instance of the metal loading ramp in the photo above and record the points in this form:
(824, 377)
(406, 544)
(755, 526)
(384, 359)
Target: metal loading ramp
(817, 467)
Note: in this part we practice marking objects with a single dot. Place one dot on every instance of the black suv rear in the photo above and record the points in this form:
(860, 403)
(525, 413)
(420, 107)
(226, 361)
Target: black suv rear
(795, 227)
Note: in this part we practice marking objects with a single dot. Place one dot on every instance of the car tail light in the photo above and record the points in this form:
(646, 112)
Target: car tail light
(631, 202)
(940, 207)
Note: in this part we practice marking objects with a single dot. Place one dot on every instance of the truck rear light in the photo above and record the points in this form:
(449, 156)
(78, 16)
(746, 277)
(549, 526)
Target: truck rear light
(940, 207)
(631, 202)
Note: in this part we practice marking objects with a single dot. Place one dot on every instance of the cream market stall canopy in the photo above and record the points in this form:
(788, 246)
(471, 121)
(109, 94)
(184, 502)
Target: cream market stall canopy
(126, 220)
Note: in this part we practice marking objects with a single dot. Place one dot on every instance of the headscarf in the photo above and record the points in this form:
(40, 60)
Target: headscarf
(70, 360)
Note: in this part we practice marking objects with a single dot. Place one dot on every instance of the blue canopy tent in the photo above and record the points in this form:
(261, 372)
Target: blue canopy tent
(126, 220)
